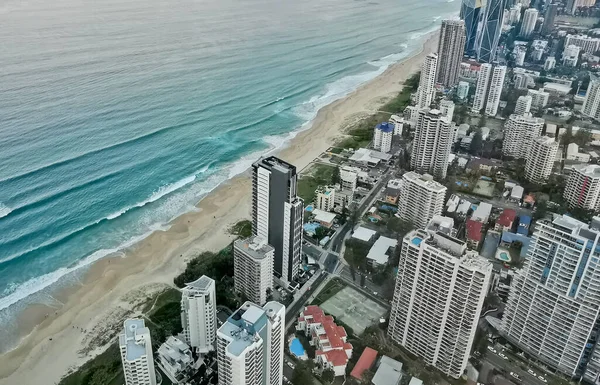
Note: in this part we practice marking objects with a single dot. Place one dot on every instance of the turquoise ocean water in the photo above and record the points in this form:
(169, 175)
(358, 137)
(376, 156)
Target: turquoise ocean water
(117, 116)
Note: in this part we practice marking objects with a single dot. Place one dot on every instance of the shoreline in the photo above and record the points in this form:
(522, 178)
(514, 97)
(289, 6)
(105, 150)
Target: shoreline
(116, 286)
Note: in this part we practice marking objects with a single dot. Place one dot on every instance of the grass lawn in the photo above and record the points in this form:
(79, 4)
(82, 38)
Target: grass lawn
(315, 176)
(331, 288)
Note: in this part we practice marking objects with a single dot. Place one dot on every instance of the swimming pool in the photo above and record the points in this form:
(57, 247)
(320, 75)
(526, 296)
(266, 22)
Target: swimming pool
(296, 348)
(504, 256)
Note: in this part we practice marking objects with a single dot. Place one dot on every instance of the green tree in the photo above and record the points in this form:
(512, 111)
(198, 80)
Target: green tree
(582, 137)
(335, 176)
(353, 215)
(320, 233)
(303, 373)
(328, 376)
(476, 143)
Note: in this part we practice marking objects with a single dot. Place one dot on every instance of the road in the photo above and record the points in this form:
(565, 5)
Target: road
(293, 311)
(508, 366)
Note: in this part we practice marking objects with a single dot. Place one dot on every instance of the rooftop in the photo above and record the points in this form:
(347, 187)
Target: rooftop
(424, 180)
(474, 230)
(389, 372)
(365, 362)
(507, 217)
(385, 127)
(482, 213)
(176, 351)
(369, 156)
(244, 325)
(202, 283)
(323, 216)
(364, 234)
(591, 170)
(133, 338)
(378, 251)
(254, 246)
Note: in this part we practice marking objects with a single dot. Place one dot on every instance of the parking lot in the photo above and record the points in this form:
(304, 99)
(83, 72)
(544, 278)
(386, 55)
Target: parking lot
(354, 309)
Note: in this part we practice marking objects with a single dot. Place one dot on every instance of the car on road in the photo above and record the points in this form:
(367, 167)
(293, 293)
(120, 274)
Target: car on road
(491, 349)
(291, 365)
(541, 378)
(503, 356)
(515, 375)
(531, 372)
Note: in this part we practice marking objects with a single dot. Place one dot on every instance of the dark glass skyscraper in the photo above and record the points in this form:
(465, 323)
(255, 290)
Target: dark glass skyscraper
(491, 27)
(469, 13)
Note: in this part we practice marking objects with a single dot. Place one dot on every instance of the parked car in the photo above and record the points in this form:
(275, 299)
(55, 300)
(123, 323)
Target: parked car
(503, 356)
(515, 375)
(541, 378)
(531, 372)
(491, 349)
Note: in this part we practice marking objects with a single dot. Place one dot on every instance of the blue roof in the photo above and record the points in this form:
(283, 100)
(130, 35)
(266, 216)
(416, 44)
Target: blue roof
(386, 127)
(524, 220)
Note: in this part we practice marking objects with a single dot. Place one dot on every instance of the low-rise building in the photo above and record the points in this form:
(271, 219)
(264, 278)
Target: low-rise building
(380, 251)
(574, 154)
(364, 363)
(389, 372)
(330, 340)
(325, 198)
(348, 178)
(391, 195)
(482, 212)
(175, 359)
(474, 233)
(482, 165)
(506, 220)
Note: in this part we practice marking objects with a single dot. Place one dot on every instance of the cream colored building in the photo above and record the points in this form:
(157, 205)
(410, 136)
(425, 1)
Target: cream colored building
(540, 161)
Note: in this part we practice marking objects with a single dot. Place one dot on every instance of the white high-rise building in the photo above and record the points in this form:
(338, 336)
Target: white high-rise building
(426, 90)
(398, 123)
(481, 91)
(439, 294)
(411, 115)
(591, 104)
(447, 108)
(586, 43)
(325, 198)
(421, 198)
(539, 98)
(462, 91)
(253, 268)
(540, 161)
(519, 133)
(382, 137)
(278, 213)
(451, 48)
(583, 187)
(520, 57)
(433, 140)
(199, 314)
(554, 302)
(136, 353)
(550, 63)
(529, 19)
(250, 345)
(523, 105)
(495, 90)
(571, 55)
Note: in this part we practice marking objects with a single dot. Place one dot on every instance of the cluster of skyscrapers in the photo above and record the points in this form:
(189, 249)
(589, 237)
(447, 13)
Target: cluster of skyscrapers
(250, 344)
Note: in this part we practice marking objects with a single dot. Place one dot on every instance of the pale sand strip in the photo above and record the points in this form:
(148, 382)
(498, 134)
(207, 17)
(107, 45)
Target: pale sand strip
(107, 287)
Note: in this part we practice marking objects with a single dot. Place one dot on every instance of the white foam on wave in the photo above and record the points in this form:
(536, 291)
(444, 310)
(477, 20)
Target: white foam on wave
(35, 285)
(4, 210)
(161, 192)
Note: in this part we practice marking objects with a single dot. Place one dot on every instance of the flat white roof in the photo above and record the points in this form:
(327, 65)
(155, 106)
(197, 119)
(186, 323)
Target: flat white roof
(370, 156)
(378, 251)
(363, 234)
(415, 381)
(323, 216)
(517, 192)
(483, 212)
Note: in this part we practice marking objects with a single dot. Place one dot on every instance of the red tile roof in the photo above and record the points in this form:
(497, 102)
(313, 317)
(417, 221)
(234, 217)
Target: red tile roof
(333, 339)
(365, 362)
(335, 357)
(507, 218)
(474, 230)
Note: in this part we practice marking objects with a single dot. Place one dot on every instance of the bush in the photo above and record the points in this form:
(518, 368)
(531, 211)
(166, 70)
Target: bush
(215, 266)
(243, 229)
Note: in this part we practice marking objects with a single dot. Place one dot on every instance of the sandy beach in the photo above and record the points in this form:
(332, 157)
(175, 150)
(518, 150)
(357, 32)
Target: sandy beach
(62, 339)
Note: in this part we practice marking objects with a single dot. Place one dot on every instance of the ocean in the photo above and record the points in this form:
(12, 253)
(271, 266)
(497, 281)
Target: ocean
(118, 116)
